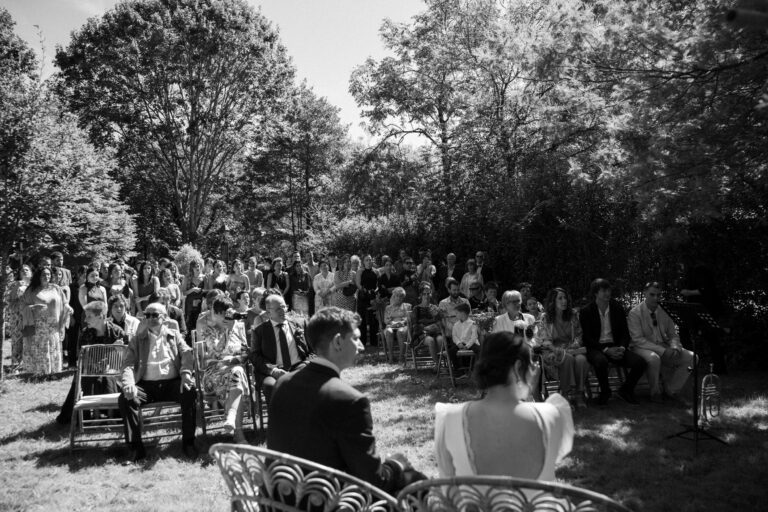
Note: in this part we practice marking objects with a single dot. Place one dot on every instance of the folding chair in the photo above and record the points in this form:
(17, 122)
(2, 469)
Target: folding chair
(96, 362)
(419, 355)
(395, 352)
(210, 415)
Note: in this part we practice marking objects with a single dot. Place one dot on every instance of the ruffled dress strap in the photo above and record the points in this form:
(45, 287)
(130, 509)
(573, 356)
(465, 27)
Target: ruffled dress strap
(556, 422)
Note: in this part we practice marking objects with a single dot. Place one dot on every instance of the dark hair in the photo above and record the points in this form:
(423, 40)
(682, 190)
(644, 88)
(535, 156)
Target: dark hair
(36, 282)
(57, 254)
(550, 308)
(522, 285)
(82, 270)
(156, 296)
(450, 282)
(97, 307)
(161, 273)
(241, 293)
(652, 284)
(492, 285)
(112, 266)
(142, 266)
(499, 353)
(424, 285)
(115, 299)
(328, 322)
(463, 307)
(221, 304)
(212, 294)
(472, 262)
(209, 261)
(163, 262)
(597, 285)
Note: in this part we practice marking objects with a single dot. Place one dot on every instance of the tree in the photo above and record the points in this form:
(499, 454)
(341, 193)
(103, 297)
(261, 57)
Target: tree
(179, 88)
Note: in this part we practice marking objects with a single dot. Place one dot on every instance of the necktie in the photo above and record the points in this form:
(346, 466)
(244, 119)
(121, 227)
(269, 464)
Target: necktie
(284, 348)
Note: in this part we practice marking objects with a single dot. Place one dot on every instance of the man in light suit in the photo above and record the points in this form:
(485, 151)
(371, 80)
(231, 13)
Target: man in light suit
(317, 416)
(277, 346)
(655, 339)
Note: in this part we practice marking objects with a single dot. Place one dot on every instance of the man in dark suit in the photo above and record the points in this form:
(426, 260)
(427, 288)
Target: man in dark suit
(317, 416)
(606, 336)
(449, 269)
(277, 346)
(483, 268)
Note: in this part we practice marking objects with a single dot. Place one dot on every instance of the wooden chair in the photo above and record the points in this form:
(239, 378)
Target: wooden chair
(210, 415)
(262, 479)
(497, 493)
(418, 355)
(96, 362)
(395, 352)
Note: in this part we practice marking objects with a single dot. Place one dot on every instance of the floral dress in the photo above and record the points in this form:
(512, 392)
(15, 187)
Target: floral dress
(223, 348)
(339, 299)
(42, 353)
(13, 298)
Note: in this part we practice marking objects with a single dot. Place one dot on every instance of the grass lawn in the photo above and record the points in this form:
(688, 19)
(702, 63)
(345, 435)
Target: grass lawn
(619, 450)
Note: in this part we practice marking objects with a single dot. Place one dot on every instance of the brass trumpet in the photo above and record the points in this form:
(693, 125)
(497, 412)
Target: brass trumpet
(710, 396)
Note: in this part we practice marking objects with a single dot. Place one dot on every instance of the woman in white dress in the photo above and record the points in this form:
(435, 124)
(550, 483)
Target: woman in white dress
(323, 286)
(501, 434)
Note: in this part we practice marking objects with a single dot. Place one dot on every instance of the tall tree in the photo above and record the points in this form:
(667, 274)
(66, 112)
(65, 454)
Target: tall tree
(179, 88)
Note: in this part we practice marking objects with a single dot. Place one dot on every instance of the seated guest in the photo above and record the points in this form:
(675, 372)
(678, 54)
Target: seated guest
(492, 297)
(277, 346)
(175, 315)
(606, 336)
(448, 305)
(317, 416)
(513, 319)
(502, 434)
(427, 323)
(409, 281)
(158, 368)
(563, 356)
(118, 315)
(655, 339)
(464, 335)
(226, 351)
(477, 297)
(532, 307)
(98, 331)
(396, 323)
(203, 318)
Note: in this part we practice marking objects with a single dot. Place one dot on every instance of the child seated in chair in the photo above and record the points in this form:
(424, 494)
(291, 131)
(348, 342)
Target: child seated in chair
(464, 335)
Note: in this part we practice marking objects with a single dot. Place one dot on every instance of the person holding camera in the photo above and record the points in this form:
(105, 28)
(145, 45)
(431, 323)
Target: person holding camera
(606, 335)
(226, 349)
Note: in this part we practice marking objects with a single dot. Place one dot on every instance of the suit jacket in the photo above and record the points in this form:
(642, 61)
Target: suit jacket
(264, 347)
(135, 364)
(487, 273)
(591, 328)
(315, 415)
(442, 274)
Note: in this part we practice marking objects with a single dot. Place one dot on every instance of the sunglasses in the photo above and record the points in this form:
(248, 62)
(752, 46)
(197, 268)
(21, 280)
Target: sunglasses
(151, 315)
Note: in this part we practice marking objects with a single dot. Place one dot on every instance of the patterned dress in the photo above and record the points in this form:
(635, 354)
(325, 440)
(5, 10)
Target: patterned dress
(42, 352)
(13, 299)
(339, 299)
(223, 369)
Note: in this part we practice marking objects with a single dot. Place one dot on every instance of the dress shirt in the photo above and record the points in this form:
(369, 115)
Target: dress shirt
(465, 333)
(160, 364)
(448, 308)
(647, 336)
(606, 335)
(291, 345)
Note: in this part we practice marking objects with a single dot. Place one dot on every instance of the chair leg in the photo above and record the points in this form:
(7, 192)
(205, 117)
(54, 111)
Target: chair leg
(72, 425)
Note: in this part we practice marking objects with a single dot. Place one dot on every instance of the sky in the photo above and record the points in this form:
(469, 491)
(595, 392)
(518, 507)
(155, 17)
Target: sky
(327, 39)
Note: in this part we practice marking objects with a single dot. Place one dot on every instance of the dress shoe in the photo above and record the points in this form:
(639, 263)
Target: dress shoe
(138, 453)
(627, 396)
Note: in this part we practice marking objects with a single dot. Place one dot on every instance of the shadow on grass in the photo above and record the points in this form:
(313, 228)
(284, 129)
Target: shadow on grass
(29, 378)
(49, 407)
(51, 432)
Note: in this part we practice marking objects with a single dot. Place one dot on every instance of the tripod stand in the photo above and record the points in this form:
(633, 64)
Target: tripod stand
(694, 317)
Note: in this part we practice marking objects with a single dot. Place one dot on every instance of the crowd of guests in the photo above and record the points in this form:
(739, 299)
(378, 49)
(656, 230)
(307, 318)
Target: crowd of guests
(300, 327)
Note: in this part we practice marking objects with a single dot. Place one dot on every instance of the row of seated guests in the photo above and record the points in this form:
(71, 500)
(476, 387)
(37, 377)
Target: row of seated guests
(317, 416)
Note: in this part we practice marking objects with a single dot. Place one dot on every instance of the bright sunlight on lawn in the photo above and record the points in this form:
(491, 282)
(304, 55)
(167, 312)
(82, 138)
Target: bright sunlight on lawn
(619, 450)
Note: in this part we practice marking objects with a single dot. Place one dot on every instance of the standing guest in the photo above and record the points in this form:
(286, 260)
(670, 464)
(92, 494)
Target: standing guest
(367, 285)
(532, 307)
(388, 280)
(312, 269)
(145, 285)
(118, 315)
(238, 280)
(396, 323)
(472, 276)
(409, 281)
(399, 265)
(64, 276)
(208, 266)
(192, 291)
(45, 313)
(242, 304)
(655, 339)
(174, 274)
(606, 336)
(14, 297)
(256, 315)
(218, 278)
(426, 271)
(255, 277)
(226, 352)
(477, 297)
(332, 261)
(299, 285)
(354, 263)
(158, 367)
(344, 285)
(92, 290)
(76, 319)
(563, 355)
(491, 297)
(103, 267)
(427, 327)
(98, 331)
(323, 286)
(473, 438)
(117, 285)
(318, 417)
(278, 346)
(448, 305)
(446, 270)
(278, 278)
(485, 271)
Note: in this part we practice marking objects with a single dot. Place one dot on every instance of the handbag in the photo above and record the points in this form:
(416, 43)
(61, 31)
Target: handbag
(349, 290)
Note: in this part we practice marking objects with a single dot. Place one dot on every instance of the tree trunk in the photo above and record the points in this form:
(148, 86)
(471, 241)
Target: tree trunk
(3, 286)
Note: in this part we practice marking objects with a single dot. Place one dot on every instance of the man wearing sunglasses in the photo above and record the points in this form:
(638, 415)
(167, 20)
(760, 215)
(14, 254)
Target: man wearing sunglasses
(655, 339)
(158, 368)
